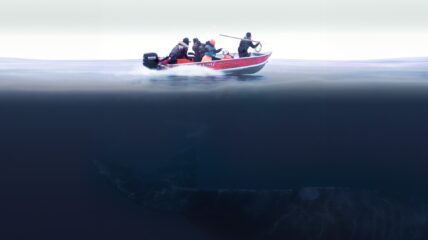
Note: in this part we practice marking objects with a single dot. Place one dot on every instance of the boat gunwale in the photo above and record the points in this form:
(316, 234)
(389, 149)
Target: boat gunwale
(268, 54)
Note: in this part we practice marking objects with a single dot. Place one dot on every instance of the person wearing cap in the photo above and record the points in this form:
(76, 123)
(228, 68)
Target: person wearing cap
(245, 44)
(178, 52)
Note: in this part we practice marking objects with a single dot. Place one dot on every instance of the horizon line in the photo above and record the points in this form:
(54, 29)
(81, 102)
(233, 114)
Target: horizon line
(273, 58)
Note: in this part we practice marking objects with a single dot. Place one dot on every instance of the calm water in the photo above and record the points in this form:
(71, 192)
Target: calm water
(302, 150)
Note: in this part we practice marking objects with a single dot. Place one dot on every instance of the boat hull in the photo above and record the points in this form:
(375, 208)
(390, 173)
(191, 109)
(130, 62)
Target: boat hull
(236, 66)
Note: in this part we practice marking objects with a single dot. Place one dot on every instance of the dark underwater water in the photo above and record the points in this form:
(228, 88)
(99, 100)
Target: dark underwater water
(302, 150)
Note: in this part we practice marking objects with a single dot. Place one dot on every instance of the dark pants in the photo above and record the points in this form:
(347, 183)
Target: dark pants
(198, 58)
(244, 54)
(173, 60)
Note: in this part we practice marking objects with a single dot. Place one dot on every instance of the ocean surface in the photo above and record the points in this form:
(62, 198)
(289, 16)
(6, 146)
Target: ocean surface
(300, 150)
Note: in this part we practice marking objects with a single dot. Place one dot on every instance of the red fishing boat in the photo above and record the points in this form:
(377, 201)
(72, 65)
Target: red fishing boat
(234, 66)
(226, 63)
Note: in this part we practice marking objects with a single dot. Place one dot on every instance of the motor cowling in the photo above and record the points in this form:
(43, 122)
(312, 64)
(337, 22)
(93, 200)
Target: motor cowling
(150, 60)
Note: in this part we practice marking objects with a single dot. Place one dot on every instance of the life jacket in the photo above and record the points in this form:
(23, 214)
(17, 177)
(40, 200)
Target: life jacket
(183, 44)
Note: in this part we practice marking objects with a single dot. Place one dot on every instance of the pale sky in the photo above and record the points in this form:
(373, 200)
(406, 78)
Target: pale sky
(291, 29)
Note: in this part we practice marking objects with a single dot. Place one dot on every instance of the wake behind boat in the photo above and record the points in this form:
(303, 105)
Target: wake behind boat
(205, 55)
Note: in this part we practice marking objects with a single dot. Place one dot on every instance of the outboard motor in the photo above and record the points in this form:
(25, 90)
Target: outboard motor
(150, 60)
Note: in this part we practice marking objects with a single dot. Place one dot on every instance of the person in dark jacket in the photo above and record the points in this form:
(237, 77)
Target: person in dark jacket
(199, 49)
(178, 52)
(245, 44)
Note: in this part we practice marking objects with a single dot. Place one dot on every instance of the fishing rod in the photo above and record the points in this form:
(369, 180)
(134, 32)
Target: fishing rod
(244, 39)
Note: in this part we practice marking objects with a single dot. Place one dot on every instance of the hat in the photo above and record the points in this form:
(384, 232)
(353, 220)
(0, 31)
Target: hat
(186, 41)
(248, 35)
(195, 40)
(212, 42)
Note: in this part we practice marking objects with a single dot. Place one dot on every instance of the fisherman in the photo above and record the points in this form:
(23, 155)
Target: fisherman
(199, 49)
(210, 51)
(178, 52)
(245, 44)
